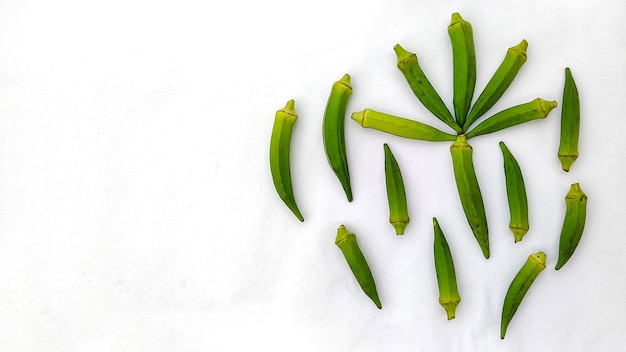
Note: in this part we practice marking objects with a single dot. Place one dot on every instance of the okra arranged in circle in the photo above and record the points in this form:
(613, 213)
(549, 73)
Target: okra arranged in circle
(469, 191)
(400, 126)
(503, 77)
(280, 150)
(446, 277)
(421, 87)
(570, 123)
(536, 109)
(519, 286)
(396, 195)
(516, 194)
(346, 241)
(573, 225)
(463, 65)
(333, 132)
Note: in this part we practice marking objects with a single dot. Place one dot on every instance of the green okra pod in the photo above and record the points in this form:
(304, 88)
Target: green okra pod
(333, 132)
(421, 87)
(280, 150)
(573, 225)
(396, 195)
(446, 276)
(570, 123)
(346, 241)
(400, 126)
(536, 109)
(469, 191)
(519, 286)
(516, 194)
(501, 80)
(463, 65)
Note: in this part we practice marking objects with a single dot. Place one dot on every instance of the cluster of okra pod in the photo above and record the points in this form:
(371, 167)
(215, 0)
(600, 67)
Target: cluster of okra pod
(465, 114)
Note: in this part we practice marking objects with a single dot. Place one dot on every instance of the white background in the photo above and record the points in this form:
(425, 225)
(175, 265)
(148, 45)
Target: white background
(137, 211)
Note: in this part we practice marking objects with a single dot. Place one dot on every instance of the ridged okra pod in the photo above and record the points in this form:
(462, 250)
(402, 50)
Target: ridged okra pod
(573, 225)
(570, 123)
(519, 286)
(396, 195)
(333, 132)
(421, 87)
(501, 80)
(536, 109)
(346, 241)
(446, 276)
(469, 191)
(516, 194)
(280, 150)
(463, 65)
(400, 126)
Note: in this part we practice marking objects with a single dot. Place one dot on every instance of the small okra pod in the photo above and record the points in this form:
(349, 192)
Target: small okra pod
(346, 241)
(503, 77)
(421, 87)
(536, 109)
(469, 191)
(570, 123)
(519, 286)
(516, 194)
(400, 126)
(446, 277)
(463, 65)
(573, 225)
(333, 132)
(280, 150)
(396, 195)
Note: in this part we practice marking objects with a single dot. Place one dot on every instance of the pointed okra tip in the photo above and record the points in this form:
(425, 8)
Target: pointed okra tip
(456, 18)
(401, 53)
(567, 161)
(343, 235)
(345, 80)
(520, 48)
(546, 106)
(539, 258)
(359, 117)
(290, 108)
(576, 193)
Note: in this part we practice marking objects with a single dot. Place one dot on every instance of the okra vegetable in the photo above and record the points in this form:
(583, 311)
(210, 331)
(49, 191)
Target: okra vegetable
(396, 196)
(517, 290)
(280, 150)
(573, 225)
(421, 87)
(400, 126)
(469, 191)
(346, 241)
(463, 65)
(570, 123)
(516, 194)
(446, 277)
(503, 77)
(536, 109)
(333, 132)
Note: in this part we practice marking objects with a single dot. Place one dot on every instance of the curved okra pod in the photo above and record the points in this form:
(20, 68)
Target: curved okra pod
(333, 132)
(573, 225)
(517, 290)
(503, 77)
(400, 126)
(396, 196)
(536, 109)
(463, 65)
(446, 277)
(570, 123)
(346, 241)
(469, 191)
(516, 194)
(280, 147)
(421, 87)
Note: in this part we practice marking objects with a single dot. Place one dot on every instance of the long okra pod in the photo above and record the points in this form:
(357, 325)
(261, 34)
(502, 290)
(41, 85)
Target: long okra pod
(469, 191)
(446, 276)
(400, 126)
(333, 132)
(519, 286)
(280, 150)
(346, 241)
(570, 123)
(463, 65)
(573, 225)
(516, 194)
(396, 195)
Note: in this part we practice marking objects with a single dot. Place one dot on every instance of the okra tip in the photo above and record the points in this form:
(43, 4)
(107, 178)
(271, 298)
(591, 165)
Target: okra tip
(359, 117)
(518, 233)
(539, 258)
(401, 53)
(567, 161)
(343, 235)
(521, 47)
(456, 18)
(345, 80)
(290, 107)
